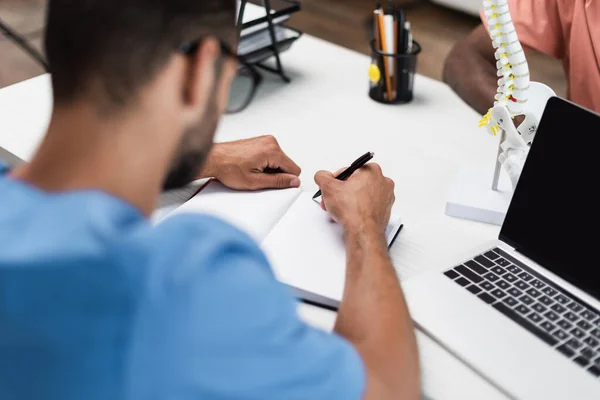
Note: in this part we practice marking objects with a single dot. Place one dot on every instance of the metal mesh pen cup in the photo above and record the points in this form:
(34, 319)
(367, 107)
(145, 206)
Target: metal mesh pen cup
(392, 75)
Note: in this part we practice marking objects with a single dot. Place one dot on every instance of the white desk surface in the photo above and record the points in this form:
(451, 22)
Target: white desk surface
(324, 119)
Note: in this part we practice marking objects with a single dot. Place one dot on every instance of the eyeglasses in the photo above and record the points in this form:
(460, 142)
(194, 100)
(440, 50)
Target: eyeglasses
(246, 80)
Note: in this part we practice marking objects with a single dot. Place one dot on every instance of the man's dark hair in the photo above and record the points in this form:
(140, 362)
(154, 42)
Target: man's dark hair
(114, 47)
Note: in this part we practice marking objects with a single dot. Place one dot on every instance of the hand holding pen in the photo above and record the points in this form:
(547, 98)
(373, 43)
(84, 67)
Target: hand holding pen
(362, 203)
(345, 174)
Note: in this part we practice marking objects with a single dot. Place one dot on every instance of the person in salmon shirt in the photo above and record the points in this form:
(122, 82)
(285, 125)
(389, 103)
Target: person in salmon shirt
(568, 30)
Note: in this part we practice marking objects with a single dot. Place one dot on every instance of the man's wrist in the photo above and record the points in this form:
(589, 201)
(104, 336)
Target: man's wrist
(365, 228)
(211, 165)
(365, 241)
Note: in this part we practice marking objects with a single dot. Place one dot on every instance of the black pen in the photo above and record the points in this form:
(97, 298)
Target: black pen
(356, 165)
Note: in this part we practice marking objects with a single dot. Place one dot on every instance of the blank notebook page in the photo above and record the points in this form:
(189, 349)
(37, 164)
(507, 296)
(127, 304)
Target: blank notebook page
(253, 212)
(307, 250)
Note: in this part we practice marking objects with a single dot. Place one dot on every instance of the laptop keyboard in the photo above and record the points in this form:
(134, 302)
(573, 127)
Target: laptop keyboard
(564, 322)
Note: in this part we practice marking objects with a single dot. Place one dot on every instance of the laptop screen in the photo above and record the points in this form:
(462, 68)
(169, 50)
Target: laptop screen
(554, 216)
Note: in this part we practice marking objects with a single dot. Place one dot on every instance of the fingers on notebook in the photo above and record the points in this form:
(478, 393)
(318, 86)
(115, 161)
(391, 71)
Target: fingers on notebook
(284, 162)
(290, 166)
(277, 181)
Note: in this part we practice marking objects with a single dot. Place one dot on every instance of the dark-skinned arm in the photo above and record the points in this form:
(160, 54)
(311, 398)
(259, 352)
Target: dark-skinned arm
(470, 70)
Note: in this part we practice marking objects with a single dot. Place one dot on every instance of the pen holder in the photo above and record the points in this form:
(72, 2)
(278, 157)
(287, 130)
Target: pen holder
(392, 75)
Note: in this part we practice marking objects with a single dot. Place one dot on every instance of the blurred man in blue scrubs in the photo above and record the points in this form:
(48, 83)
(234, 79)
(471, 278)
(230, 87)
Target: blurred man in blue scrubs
(96, 303)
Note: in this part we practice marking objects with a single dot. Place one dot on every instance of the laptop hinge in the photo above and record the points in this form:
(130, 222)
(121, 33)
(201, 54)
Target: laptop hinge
(507, 243)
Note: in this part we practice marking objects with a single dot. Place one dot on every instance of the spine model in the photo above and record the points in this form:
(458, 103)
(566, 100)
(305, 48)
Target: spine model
(513, 71)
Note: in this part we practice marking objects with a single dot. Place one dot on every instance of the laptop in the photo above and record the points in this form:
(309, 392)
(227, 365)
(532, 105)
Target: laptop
(524, 311)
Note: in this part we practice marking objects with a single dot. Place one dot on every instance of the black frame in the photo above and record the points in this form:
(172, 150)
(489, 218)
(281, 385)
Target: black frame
(191, 47)
(256, 81)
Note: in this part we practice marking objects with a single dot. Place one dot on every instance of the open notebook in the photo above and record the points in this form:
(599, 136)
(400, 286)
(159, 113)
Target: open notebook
(304, 246)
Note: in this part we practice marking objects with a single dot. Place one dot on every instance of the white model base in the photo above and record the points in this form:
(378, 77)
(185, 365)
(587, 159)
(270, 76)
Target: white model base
(472, 196)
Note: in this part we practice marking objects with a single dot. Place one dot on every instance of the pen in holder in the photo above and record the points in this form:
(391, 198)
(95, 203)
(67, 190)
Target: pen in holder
(392, 82)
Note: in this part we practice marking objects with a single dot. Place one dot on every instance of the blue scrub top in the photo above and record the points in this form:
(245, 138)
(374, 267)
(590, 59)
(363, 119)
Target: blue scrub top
(96, 303)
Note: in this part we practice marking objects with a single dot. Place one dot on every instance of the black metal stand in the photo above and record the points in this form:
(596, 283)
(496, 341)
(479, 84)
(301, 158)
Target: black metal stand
(23, 44)
(278, 70)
